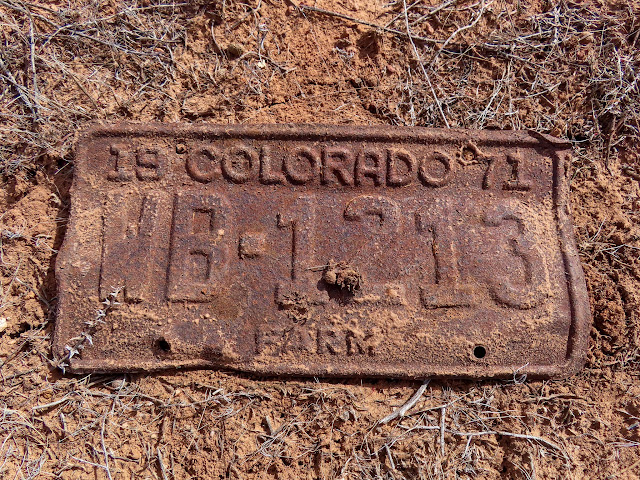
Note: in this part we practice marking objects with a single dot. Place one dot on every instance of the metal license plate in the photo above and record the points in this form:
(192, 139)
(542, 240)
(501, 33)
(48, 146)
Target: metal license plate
(321, 250)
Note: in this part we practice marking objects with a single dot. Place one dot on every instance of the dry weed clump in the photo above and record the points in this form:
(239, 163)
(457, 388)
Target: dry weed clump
(569, 69)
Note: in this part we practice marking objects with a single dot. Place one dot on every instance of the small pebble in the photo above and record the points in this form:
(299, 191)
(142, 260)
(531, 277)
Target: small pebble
(234, 50)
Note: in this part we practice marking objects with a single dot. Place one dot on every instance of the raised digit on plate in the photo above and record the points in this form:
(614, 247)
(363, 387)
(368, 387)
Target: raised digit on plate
(134, 236)
(448, 290)
(199, 256)
(300, 219)
(505, 290)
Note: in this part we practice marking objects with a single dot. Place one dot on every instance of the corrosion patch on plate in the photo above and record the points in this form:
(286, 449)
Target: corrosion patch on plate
(321, 250)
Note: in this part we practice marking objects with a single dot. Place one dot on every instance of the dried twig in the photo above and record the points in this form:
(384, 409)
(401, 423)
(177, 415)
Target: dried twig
(424, 71)
(522, 436)
(402, 411)
(462, 29)
(22, 93)
(163, 470)
(79, 342)
(369, 24)
(443, 413)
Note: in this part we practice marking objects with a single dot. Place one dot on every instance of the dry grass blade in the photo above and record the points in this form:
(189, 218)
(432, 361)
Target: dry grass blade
(543, 441)
(402, 411)
(421, 64)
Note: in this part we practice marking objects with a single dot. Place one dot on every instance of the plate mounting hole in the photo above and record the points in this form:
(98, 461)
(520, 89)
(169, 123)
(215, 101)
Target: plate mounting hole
(479, 351)
(163, 345)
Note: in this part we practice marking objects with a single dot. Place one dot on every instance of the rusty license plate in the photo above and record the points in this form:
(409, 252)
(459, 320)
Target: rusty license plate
(321, 250)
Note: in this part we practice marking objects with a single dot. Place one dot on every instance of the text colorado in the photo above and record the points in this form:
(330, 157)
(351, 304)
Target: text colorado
(394, 167)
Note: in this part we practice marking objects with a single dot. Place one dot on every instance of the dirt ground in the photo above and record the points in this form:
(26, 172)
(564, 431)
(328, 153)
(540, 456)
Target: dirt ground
(571, 69)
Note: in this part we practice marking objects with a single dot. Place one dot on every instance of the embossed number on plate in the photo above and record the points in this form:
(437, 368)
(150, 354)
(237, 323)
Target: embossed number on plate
(350, 251)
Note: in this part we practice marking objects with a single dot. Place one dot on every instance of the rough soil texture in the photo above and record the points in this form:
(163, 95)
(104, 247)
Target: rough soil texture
(571, 70)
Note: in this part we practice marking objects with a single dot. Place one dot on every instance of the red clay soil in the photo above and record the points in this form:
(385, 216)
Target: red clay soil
(569, 70)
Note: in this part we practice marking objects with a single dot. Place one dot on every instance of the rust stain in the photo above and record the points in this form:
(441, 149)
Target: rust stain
(322, 250)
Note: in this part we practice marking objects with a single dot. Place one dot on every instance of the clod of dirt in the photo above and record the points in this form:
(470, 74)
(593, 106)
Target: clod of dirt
(297, 307)
(369, 44)
(234, 50)
(343, 276)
